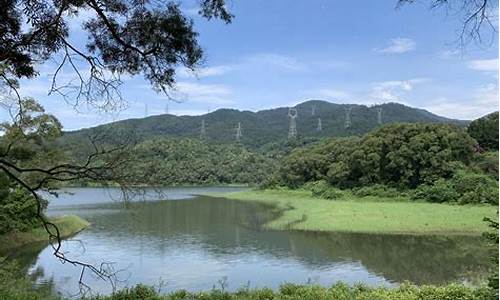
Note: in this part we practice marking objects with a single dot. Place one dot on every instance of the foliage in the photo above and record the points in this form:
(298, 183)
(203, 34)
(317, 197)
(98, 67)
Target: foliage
(18, 209)
(492, 237)
(486, 162)
(124, 37)
(485, 131)
(16, 285)
(378, 190)
(405, 155)
(463, 187)
(323, 189)
(290, 291)
(165, 161)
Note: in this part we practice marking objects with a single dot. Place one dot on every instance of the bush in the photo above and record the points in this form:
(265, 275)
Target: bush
(441, 191)
(487, 163)
(464, 188)
(378, 190)
(403, 155)
(323, 189)
(18, 209)
(485, 131)
(339, 291)
(475, 188)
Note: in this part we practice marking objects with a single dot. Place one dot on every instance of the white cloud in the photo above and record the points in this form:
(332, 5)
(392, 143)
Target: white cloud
(398, 46)
(393, 90)
(484, 65)
(206, 72)
(202, 93)
(449, 54)
(277, 60)
(483, 100)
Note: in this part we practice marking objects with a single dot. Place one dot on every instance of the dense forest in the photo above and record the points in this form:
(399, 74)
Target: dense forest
(434, 162)
(168, 150)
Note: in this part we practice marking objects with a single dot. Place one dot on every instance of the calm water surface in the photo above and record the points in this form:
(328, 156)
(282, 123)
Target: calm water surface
(196, 242)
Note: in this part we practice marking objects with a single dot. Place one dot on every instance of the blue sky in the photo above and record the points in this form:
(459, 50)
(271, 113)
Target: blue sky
(281, 52)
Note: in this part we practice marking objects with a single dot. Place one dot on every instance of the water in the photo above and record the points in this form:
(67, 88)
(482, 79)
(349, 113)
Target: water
(198, 242)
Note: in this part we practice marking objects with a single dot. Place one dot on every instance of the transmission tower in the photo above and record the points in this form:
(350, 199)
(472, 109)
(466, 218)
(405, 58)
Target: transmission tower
(203, 130)
(379, 115)
(320, 126)
(166, 108)
(292, 114)
(146, 112)
(347, 123)
(313, 110)
(238, 132)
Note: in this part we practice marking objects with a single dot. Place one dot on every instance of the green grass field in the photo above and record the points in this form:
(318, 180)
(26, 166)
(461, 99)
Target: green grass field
(68, 226)
(302, 211)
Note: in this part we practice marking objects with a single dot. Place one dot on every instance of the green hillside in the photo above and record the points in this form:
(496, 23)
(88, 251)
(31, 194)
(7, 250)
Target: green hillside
(262, 127)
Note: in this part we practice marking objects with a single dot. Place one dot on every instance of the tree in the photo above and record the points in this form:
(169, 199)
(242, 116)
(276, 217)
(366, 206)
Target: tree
(125, 37)
(478, 18)
(485, 131)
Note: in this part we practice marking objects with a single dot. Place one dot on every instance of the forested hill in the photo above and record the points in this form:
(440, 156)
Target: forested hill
(262, 127)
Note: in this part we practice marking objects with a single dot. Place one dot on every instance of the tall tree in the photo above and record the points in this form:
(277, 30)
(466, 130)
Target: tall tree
(124, 37)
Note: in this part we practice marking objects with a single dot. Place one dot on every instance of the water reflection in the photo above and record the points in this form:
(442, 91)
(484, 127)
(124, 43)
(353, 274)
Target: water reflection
(195, 242)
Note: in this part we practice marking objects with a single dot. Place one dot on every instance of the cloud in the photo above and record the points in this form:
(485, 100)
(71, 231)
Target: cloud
(276, 60)
(398, 46)
(449, 54)
(393, 90)
(206, 72)
(484, 100)
(489, 65)
(202, 93)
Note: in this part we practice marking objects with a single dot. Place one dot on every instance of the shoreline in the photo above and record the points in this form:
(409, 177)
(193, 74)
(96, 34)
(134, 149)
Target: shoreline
(68, 226)
(299, 210)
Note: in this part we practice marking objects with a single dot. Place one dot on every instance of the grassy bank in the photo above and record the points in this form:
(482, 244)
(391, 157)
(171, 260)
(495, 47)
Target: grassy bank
(313, 292)
(68, 226)
(301, 211)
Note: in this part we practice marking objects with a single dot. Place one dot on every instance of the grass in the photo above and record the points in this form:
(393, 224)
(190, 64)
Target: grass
(338, 291)
(68, 226)
(301, 211)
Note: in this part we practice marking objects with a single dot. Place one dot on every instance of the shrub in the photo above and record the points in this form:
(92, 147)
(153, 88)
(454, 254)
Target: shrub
(323, 189)
(18, 209)
(439, 192)
(485, 131)
(338, 291)
(487, 163)
(464, 188)
(378, 190)
(475, 188)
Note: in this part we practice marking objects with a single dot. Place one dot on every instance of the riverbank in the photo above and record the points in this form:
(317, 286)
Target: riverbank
(68, 226)
(300, 210)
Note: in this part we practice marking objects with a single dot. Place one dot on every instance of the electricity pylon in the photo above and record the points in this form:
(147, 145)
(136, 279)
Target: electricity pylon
(347, 123)
(238, 132)
(292, 131)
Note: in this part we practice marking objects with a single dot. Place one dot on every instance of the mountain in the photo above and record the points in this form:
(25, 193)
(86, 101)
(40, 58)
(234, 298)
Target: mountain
(262, 127)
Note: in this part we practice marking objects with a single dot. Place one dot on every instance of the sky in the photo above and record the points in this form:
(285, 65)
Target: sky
(279, 53)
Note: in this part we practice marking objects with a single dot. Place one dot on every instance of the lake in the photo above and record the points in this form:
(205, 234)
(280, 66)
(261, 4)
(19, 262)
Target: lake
(198, 242)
